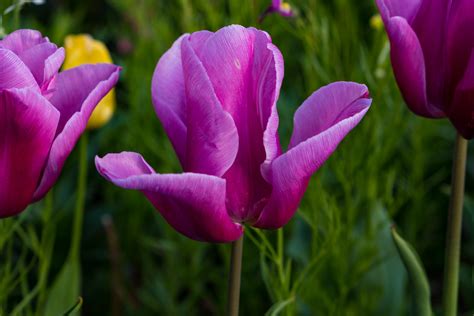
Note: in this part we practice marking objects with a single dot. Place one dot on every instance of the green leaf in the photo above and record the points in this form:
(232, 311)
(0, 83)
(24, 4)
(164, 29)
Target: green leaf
(65, 289)
(268, 279)
(416, 274)
(279, 306)
(75, 307)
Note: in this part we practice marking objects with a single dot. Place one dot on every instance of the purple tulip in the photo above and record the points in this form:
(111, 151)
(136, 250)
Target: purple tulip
(280, 7)
(432, 50)
(216, 94)
(42, 114)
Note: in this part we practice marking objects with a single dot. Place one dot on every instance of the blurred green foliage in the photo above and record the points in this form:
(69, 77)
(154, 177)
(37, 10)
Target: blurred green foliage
(335, 257)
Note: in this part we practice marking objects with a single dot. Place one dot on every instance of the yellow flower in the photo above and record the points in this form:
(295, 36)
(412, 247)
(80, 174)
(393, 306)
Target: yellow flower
(83, 49)
(376, 22)
(285, 6)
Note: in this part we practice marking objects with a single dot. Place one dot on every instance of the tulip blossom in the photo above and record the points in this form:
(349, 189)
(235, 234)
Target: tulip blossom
(216, 95)
(432, 50)
(280, 7)
(83, 49)
(42, 114)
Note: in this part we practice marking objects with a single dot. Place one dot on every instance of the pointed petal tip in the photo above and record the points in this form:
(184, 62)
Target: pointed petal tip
(193, 204)
(115, 166)
(321, 123)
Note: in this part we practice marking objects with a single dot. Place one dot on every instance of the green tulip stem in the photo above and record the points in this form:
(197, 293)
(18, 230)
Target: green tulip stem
(234, 277)
(453, 237)
(80, 199)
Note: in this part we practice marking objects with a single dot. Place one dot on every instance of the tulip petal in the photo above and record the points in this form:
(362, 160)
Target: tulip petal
(168, 95)
(460, 40)
(461, 112)
(327, 107)
(336, 109)
(27, 127)
(52, 64)
(432, 19)
(268, 92)
(78, 91)
(198, 41)
(14, 73)
(409, 68)
(22, 40)
(193, 204)
(44, 61)
(212, 139)
(246, 72)
(406, 9)
(227, 58)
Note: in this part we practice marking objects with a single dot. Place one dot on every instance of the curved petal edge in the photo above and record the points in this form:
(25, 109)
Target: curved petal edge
(192, 203)
(291, 171)
(75, 108)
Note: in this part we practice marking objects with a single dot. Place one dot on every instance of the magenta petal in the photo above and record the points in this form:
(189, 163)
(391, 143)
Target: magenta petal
(14, 73)
(44, 61)
(409, 68)
(27, 127)
(276, 3)
(246, 72)
(326, 107)
(268, 92)
(78, 91)
(430, 27)
(277, 6)
(198, 41)
(461, 112)
(460, 39)
(167, 91)
(22, 40)
(212, 140)
(193, 204)
(81, 88)
(406, 9)
(336, 110)
(227, 58)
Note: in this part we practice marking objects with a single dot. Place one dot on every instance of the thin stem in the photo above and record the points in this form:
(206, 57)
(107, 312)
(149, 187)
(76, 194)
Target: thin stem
(80, 199)
(234, 277)
(453, 237)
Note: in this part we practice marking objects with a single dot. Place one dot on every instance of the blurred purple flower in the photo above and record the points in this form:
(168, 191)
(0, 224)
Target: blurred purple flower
(280, 7)
(124, 46)
(432, 50)
(42, 114)
(216, 94)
